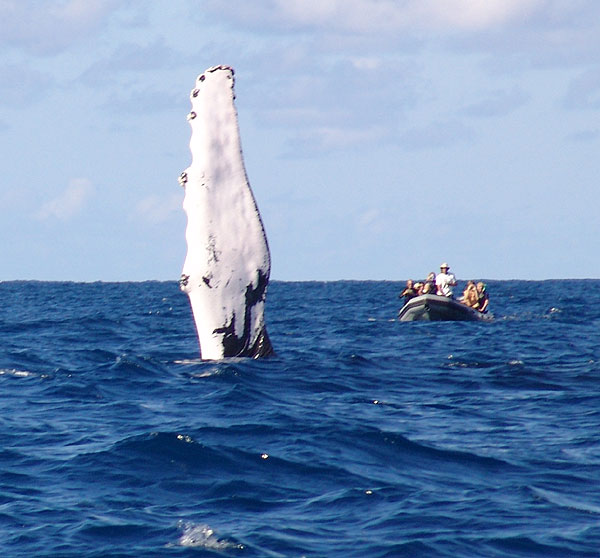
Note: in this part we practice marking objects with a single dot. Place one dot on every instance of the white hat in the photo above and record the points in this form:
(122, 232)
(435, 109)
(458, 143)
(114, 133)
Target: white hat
(444, 265)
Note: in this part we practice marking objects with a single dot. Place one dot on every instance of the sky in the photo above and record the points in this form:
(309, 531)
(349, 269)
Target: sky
(380, 137)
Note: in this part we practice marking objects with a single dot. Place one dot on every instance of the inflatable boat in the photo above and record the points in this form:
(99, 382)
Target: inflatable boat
(437, 308)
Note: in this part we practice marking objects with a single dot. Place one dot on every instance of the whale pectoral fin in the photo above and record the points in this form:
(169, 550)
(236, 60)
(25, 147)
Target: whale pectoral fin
(262, 347)
(234, 346)
(227, 267)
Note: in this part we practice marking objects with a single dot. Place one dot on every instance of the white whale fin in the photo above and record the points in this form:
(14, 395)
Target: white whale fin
(227, 267)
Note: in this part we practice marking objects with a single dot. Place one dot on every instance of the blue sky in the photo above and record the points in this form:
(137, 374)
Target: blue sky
(380, 136)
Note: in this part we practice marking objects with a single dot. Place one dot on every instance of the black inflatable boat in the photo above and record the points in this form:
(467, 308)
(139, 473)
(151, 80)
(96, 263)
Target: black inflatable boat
(437, 308)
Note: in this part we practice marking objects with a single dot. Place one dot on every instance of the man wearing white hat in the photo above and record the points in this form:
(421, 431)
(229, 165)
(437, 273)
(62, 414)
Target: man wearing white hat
(444, 281)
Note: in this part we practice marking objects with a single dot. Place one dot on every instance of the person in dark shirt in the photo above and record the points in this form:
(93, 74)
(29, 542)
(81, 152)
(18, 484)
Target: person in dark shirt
(483, 300)
(409, 291)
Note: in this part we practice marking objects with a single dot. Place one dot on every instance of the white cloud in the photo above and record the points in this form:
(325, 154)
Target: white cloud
(369, 218)
(497, 103)
(70, 203)
(436, 135)
(158, 209)
(49, 27)
(132, 57)
(584, 91)
(472, 14)
(322, 140)
(18, 81)
(365, 16)
(583, 136)
(366, 63)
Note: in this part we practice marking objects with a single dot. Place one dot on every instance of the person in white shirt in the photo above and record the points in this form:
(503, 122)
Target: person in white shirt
(444, 281)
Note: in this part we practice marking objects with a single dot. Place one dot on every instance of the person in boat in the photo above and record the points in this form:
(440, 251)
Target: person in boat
(429, 284)
(409, 291)
(470, 295)
(444, 281)
(483, 299)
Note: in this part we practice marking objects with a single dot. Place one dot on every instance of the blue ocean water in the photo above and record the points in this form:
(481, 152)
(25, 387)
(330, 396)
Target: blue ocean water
(362, 437)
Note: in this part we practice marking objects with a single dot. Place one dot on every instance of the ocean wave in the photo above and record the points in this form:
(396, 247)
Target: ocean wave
(566, 501)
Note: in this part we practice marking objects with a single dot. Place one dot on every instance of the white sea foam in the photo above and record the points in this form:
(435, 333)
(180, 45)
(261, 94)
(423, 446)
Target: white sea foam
(201, 535)
(205, 372)
(187, 361)
(14, 372)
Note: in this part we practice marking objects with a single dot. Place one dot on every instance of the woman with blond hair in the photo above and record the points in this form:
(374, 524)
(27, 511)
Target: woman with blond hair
(470, 295)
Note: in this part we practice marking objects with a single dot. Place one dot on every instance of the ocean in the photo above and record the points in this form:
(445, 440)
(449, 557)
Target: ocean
(363, 437)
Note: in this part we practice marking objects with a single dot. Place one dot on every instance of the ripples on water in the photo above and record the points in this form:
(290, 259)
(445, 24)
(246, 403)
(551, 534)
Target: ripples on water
(362, 437)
